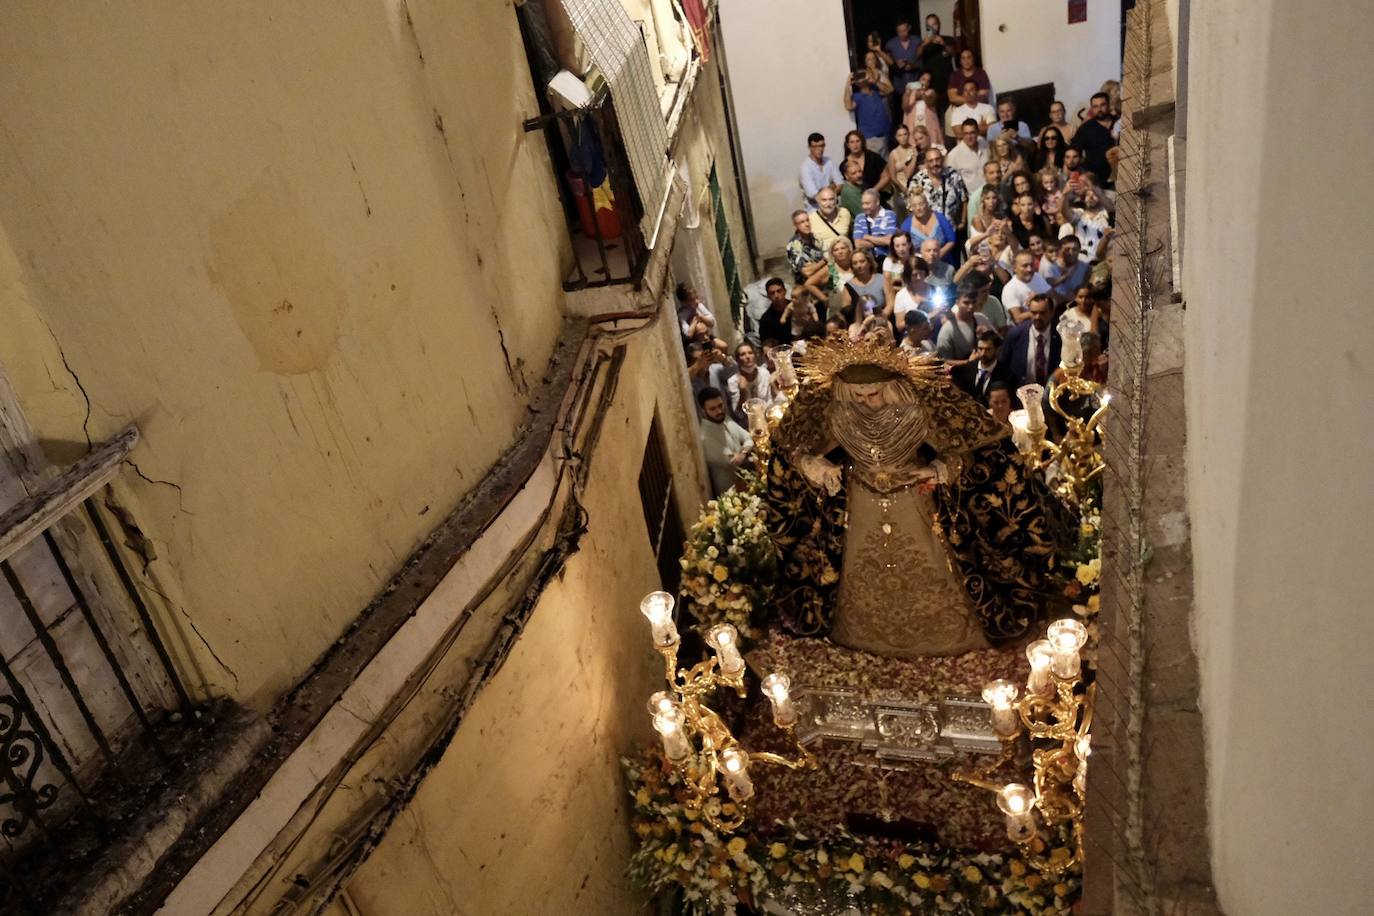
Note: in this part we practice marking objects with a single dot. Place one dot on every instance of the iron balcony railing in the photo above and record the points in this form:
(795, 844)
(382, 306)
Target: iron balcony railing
(598, 193)
(85, 676)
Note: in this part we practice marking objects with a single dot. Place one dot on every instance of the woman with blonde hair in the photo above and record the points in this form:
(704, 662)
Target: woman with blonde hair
(1005, 150)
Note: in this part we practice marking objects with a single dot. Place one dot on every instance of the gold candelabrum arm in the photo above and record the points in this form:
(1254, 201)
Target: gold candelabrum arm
(1056, 726)
(699, 743)
(1077, 454)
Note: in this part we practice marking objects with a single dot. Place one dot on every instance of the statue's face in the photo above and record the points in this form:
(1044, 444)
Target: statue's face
(869, 395)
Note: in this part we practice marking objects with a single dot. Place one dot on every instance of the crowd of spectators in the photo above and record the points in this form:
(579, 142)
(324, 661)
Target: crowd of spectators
(949, 227)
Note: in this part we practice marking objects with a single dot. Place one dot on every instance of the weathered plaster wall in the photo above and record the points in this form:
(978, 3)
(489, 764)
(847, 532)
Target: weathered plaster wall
(1026, 44)
(308, 249)
(783, 89)
(525, 814)
(1279, 450)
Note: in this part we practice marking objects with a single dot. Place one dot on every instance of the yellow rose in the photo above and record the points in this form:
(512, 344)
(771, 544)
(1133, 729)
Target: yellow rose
(642, 796)
(972, 874)
(736, 846)
(1017, 868)
(904, 862)
(1085, 575)
(1094, 602)
(1033, 881)
(855, 863)
(1061, 890)
(777, 850)
(922, 881)
(720, 573)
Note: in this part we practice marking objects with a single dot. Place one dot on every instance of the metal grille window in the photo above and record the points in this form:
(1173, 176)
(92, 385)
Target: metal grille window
(617, 46)
(727, 251)
(660, 510)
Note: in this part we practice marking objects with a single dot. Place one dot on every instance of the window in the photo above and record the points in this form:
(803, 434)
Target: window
(660, 509)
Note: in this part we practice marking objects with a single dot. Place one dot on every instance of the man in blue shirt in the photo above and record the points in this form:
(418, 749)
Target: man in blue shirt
(871, 116)
(901, 54)
(1006, 120)
(817, 171)
(874, 226)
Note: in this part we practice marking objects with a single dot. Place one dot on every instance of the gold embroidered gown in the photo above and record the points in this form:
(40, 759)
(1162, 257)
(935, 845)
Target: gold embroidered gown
(898, 595)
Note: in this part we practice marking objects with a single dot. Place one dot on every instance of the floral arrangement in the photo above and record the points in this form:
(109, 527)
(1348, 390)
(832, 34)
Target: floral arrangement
(730, 560)
(1086, 562)
(716, 873)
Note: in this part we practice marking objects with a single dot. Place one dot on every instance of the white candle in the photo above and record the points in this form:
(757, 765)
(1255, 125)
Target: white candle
(669, 727)
(658, 608)
(663, 703)
(734, 765)
(1066, 637)
(1018, 804)
(1082, 749)
(1001, 694)
(724, 639)
(1040, 657)
(777, 687)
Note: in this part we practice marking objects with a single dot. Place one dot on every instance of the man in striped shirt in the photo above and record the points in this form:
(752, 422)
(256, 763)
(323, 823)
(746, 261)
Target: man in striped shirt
(874, 226)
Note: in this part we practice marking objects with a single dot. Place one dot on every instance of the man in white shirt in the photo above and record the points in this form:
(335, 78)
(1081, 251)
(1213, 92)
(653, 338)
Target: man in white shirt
(1006, 115)
(724, 442)
(1024, 283)
(817, 171)
(969, 156)
(981, 112)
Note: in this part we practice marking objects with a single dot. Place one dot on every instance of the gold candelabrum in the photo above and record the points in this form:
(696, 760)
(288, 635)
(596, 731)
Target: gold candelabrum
(1054, 714)
(696, 740)
(1077, 456)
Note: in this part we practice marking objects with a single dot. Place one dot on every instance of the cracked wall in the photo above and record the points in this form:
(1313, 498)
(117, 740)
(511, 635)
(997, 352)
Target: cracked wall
(526, 812)
(314, 259)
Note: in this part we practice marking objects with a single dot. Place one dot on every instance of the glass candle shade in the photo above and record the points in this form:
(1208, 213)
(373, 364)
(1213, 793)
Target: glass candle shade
(756, 411)
(786, 374)
(1001, 695)
(1018, 804)
(734, 766)
(1040, 656)
(675, 744)
(725, 641)
(1071, 351)
(1066, 637)
(777, 687)
(658, 608)
(1020, 431)
(1030, 396)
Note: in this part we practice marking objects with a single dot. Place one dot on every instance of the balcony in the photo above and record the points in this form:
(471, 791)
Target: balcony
(98, 731)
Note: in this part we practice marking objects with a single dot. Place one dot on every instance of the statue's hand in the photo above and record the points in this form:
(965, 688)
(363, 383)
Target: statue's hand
(821, 473)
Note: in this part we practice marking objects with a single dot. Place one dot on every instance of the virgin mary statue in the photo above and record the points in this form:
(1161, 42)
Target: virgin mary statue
(904, 523)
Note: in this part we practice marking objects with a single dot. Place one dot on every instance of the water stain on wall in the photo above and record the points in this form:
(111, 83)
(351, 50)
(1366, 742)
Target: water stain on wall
(282, 283)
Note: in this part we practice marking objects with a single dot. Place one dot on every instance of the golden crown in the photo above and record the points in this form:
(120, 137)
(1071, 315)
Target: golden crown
(825, 360)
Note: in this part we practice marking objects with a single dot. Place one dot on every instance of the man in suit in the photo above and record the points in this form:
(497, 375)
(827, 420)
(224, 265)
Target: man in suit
(978, 375)
(1030, 354)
